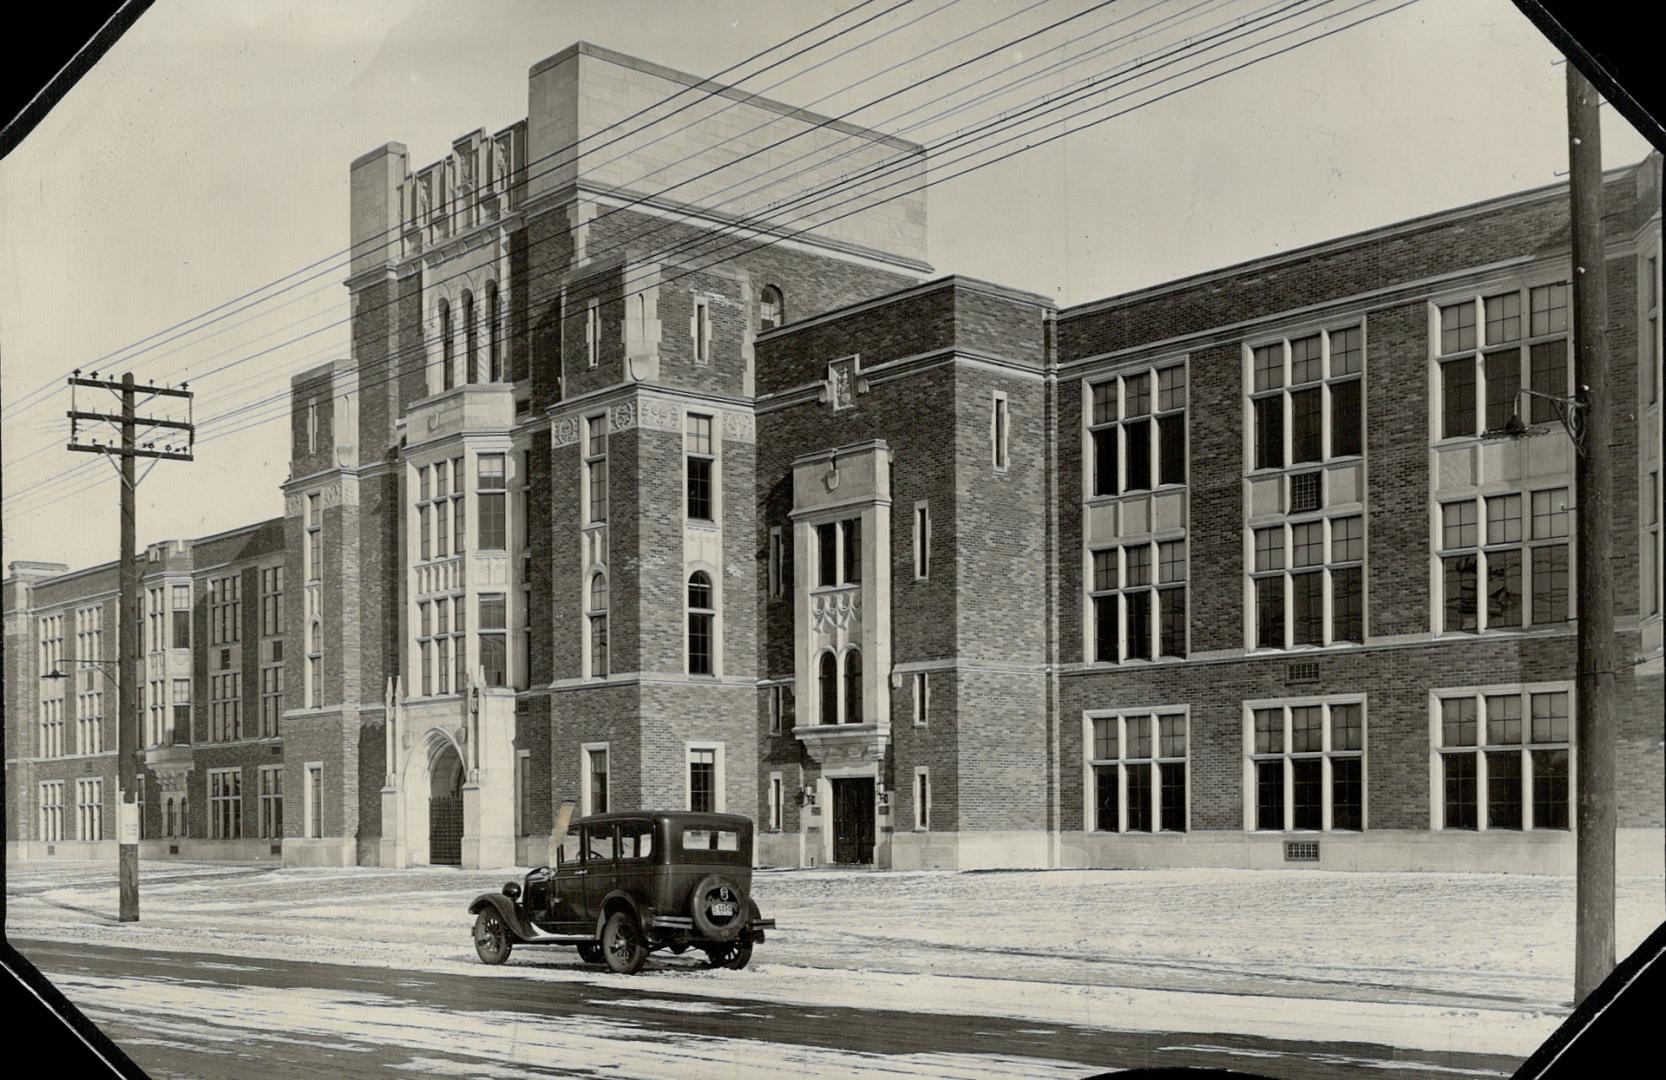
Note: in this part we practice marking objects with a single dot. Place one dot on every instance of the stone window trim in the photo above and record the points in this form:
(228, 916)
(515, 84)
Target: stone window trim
(1526, 527)
(270, 787)
(1129, 420)
(587, 775)
(1291, 381)
(1000, 431)
(1288, 749)
(693, 754)
(1489, 742)
(312, 825)
(922, 798)
(225, 803)
(703, 642)
(593, 476)
(922, 540)
(1134, 583)
(596, 604)
(1111, 749)
(1471, 334)
(776, 806)
(1330, 545)
(703, 481)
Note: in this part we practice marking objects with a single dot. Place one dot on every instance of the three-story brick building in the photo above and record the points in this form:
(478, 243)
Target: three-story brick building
(622, 499)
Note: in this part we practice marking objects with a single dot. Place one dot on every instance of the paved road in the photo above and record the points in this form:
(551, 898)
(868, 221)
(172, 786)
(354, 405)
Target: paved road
(210, 1015)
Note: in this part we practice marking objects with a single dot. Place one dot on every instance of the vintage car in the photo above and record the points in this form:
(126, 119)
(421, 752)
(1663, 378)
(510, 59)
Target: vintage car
(636, 882)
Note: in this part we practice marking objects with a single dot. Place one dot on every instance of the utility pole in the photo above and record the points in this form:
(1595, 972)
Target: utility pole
(128, 449)
(1593, 578)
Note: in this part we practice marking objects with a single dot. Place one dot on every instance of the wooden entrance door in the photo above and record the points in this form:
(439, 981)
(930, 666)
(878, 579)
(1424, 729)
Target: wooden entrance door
(853, 820)
(445, 830)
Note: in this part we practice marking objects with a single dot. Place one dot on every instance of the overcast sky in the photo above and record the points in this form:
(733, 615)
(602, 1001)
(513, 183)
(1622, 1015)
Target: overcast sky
(207, 155)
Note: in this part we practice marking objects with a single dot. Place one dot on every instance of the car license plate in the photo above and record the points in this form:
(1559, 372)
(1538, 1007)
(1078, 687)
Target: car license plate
(723, 910)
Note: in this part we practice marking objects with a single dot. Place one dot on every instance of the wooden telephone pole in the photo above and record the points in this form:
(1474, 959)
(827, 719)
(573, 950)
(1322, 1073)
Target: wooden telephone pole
(128, 450)
(1593, 581)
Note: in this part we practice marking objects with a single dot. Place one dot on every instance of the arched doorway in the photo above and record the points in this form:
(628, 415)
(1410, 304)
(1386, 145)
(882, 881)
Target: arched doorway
(445, 807)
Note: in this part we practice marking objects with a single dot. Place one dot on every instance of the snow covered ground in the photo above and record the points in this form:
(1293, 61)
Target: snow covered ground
(1462, 963)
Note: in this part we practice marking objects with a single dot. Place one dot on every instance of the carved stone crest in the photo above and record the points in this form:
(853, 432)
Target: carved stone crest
(622, 416)
(564, 432)
(660, 415)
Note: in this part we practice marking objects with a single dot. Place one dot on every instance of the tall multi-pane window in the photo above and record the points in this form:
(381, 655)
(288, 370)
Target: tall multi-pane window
(271, 802)
(89, 636)
(1308, 581)
(315, 537)
(271, 601)
(1504, 757)
(701, 327)
(494, 322)
(1137, 594)
(491, 503)
(494, 640)
(838, 553)
(1302, 389)
(1504, 560)
(52, 811)
(827, 687)
(89, 809)
(52, 727)
(597, 617)
(51, 630)
(771, 308)
(89, 722)
(853, 685)
(1137, 431)
(448, 374)
(315, 801)
(471, 339)
(1489, 348)
(593, 333)
(425, 515)
(180, 617)
(1136, 771)
(595, 467)
(458, 517)
(700, 462)
(271, 692)
(702, 616)
(781, 709)
(181, 729)
(225, 609)
(225, 804)
(596, 789)
(225, 706)
(921, 698)
(315, 664)
(1651, 542)
(1307, 764)
(702, 778)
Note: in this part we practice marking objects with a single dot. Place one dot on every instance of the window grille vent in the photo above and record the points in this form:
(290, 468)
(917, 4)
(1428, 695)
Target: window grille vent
(1304, 492)
(1301, 851)
(173, 849)
(1306, 672)
(51, 849)
(276, 749)
(277, 849)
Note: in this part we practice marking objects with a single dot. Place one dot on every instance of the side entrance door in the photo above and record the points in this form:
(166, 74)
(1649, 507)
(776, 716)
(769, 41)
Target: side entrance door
(853, 825)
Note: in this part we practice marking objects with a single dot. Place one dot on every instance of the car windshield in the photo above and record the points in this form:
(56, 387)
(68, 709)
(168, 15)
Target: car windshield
(711, 840)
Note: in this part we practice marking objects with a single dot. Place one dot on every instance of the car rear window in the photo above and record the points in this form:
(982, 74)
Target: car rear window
(711, 840)
(636, 840)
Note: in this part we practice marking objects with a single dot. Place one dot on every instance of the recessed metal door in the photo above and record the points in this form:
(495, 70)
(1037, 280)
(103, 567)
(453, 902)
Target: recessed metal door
(853, 821)
(445, 830)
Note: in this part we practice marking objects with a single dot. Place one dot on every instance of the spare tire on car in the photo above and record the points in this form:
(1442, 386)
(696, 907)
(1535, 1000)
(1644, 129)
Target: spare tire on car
(718, 907)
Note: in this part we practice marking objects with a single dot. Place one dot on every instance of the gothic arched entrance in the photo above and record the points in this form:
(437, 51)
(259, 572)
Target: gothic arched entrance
(445, 807)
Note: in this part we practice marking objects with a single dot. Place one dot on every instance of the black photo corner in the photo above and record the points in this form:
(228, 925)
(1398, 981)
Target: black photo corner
(1619, 53)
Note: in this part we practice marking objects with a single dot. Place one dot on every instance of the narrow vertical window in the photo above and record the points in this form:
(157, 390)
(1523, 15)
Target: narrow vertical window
(597, 615)
(447, 373)
(494, 320)
(922, 541)
(698, 453)
(771, 308)
(998, 424)
(702, 329)
(702, 615)
(491, 503)
(471, 340)
(850, 531)
(922, 798)
(827, 686)
(593, 333)
(777, 553)
(494, 642)
(853, 686)
(595, 467)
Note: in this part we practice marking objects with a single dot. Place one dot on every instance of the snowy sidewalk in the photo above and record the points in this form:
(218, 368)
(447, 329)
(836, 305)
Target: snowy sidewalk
(1479, 963)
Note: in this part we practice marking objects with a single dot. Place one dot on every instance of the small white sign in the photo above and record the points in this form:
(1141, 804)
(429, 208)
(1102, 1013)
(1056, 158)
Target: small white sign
(127, 823)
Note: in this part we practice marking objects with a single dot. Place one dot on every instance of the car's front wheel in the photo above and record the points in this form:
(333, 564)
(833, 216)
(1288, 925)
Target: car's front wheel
(622, 944)
(734, 956)
(491, 937)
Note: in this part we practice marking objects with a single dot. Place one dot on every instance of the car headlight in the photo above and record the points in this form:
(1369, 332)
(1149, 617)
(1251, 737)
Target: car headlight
(512, 889)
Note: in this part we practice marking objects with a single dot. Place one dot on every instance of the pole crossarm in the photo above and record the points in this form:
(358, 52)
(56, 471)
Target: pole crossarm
(142, 421)
(122, 451)
(137, 388)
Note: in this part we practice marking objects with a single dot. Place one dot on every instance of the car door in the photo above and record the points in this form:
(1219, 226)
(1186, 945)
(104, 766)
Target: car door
(636, 859)
(601, 866)
(564, 910)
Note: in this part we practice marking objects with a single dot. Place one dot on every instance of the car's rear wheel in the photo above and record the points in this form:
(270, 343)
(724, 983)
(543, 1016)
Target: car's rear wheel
(590, 954)
(734, 956)
(491, 937)
(622, 944)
